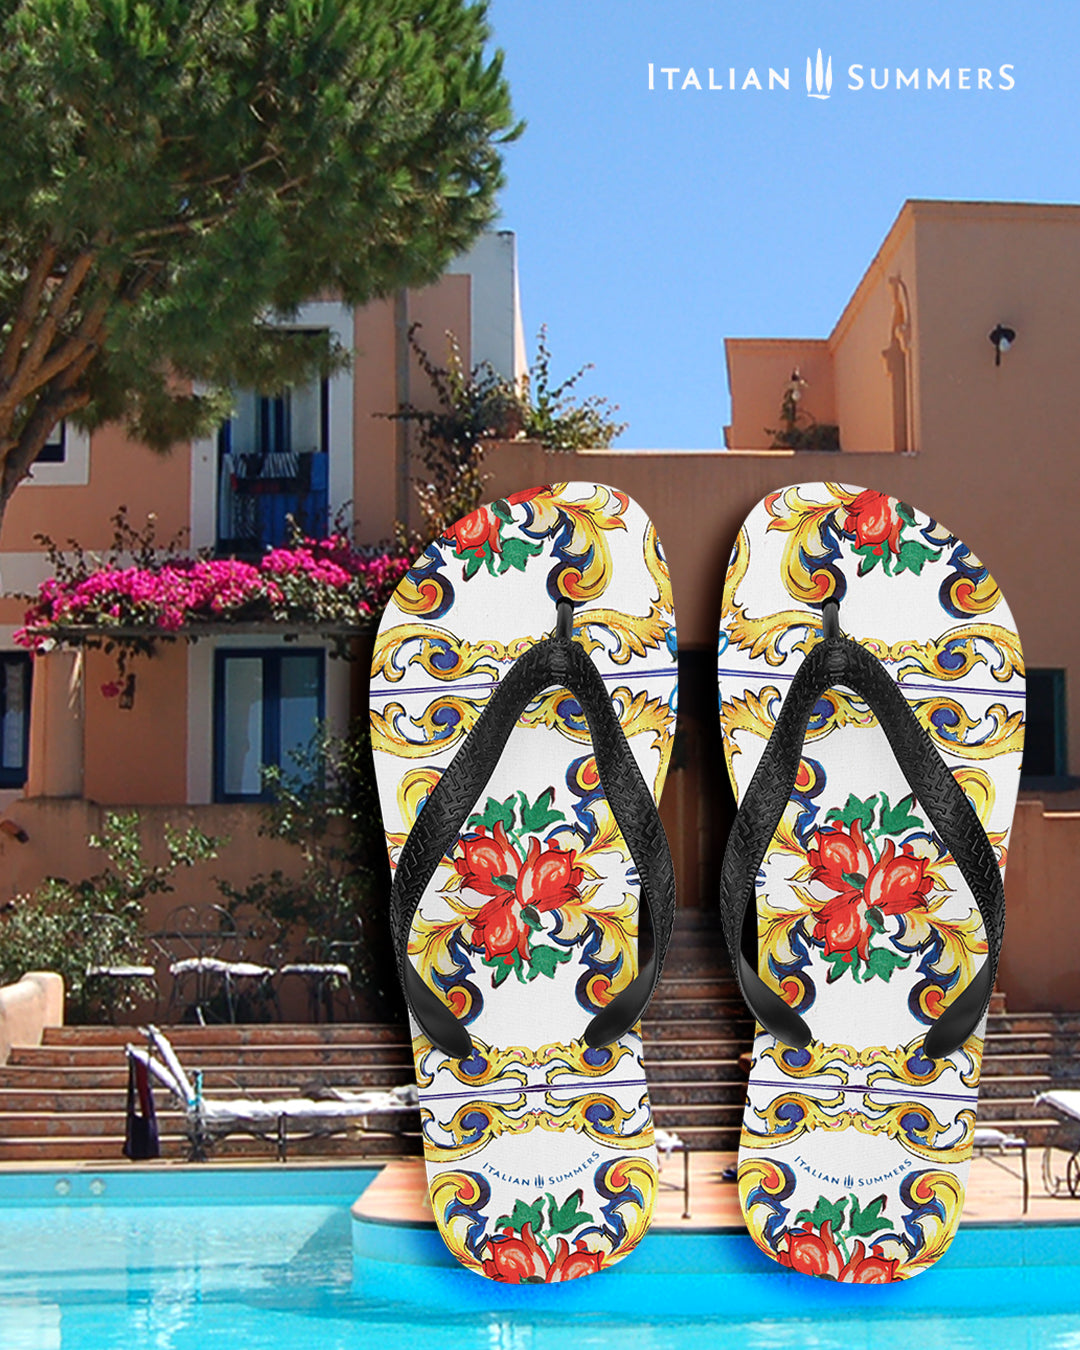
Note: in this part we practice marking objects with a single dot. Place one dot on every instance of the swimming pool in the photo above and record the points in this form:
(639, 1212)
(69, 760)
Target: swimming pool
(260, 1259)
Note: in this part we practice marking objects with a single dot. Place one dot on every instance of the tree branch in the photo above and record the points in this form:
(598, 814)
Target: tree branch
(28, 307)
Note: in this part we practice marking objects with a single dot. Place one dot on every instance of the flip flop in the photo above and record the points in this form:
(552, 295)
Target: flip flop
(876, 775)
(522, 712)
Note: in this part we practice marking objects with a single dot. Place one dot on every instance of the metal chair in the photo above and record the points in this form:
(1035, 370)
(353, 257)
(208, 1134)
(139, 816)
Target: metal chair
(205, 950)
(110, 982)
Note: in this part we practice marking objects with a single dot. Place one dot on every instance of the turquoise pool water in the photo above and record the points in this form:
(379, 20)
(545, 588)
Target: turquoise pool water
(254, 1260)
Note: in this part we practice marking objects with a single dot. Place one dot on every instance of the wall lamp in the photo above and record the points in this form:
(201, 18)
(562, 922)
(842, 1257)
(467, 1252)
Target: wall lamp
(1002, 338)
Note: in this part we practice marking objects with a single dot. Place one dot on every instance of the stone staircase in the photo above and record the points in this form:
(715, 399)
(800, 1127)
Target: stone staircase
(65, 1099)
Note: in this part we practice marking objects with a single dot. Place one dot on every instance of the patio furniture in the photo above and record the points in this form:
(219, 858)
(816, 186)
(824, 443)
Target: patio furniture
(324, 974)
(105, 980)
(205, 950)
(208, 1120)
(1065, 1104)
(995, 1146)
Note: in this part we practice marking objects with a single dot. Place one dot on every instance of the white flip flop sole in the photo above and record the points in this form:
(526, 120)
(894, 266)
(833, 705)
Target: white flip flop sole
(855, 1150)
(540, 1154)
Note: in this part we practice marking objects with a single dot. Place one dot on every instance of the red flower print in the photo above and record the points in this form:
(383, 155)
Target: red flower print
(473, 531)
(521, 1260)
(516, 1260)
(804, 1250)
(875, 520)
(569, 1265)
(838, 853)
(895, 884)
(898, 882)
(872, 1269)
(544, 880)
(842, 926)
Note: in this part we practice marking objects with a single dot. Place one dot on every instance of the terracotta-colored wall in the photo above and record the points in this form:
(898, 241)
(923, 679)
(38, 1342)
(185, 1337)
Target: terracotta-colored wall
(122, 473)
(1040, 958)
(866, 357)
(382, 486)
(57, 831)
(375, 486)
(759, 370)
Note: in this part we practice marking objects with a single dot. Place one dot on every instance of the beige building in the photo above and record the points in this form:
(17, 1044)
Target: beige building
(910, 386)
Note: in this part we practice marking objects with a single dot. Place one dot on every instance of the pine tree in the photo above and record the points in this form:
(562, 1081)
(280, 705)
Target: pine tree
(174, 173)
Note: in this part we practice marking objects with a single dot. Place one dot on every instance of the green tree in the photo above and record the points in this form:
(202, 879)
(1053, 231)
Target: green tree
(177, 172)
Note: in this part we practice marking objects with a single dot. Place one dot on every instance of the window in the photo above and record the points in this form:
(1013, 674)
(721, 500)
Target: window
(272, 466)
(266, 705)
(14, 717)
(1044, 732)
(54, 451)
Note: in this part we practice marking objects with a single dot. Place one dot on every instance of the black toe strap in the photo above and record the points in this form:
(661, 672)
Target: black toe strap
(836, 660)
(559, 662)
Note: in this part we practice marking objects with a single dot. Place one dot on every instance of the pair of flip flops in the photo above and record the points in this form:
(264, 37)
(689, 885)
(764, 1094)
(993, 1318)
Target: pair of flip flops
(523, 703)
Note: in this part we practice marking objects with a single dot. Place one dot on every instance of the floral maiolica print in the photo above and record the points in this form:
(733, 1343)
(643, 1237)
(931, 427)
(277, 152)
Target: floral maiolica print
(855, 1150)
(540, 1152)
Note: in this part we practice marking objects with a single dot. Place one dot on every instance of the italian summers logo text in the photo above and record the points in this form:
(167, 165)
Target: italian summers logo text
(859, 77)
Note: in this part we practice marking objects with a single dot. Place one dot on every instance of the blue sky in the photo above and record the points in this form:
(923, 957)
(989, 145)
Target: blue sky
(653, 225)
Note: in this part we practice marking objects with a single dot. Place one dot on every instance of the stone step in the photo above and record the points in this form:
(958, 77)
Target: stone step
(37, 1099)
(697, 1010)
(706, 1093)
(699, 1138)
(1021, 1023)
(689, 1029)
(671, 1116)
(996, 1065)
(693, 1071)
(200, 1056)
(215, 1077)
(1026, 1086)
(993, 1110)
(1018, 1043)
(694, 1048)
(225, 1033)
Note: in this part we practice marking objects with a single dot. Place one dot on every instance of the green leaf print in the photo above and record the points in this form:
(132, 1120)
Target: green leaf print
(523, 1214)
(871, 555)
(898, 819)
(913, 556)
(506, 882)
(493, 813)
(503, 512)
(531, 917)
(566, 1217)
(824, 1212)
(866, 1222)
(503, 966)
(516, 553)
(875, 919)
(842, 962)
(543, 960)
(880, 961)
(539, 815)
(855, 810)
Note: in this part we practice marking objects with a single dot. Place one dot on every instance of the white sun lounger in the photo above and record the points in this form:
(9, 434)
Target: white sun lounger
(208, 1120)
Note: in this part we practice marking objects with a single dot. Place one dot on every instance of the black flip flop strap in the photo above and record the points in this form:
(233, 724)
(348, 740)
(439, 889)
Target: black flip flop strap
(837, 660)
(561, 662)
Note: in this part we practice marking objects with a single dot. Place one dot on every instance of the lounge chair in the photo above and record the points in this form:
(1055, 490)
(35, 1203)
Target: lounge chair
(208, 1120)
